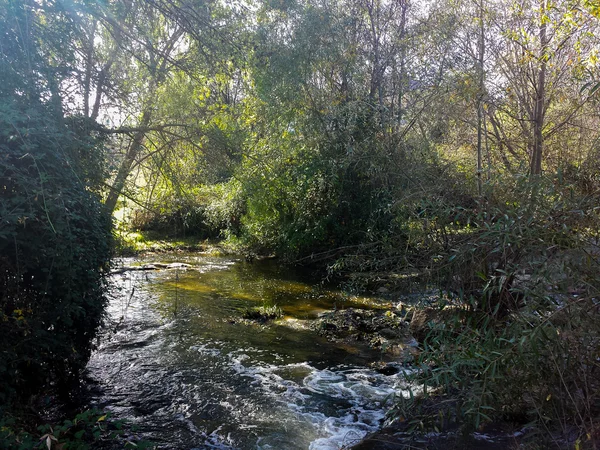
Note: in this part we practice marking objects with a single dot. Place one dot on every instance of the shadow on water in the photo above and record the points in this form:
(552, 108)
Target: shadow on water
(172, 360)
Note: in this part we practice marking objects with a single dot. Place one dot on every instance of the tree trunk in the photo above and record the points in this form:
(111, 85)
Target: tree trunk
(376, 91)
(137, 143)
(135, 147)
(89, 67)
(480, 59)
(540, 99)
(402, 77)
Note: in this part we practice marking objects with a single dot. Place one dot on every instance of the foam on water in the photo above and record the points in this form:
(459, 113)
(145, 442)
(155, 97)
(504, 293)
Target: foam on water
(191, 379)
(359, 397)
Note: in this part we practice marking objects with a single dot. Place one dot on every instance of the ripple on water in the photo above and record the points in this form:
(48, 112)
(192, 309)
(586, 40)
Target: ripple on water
(169, 362)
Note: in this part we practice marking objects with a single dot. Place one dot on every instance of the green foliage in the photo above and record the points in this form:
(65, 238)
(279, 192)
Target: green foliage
(537, 367)
(338, 133)
(503, 249)
(86, 431)
(224, 207)
(263, 313)
(206, 212)
(522, 340)
(172, 216)
(54, 234)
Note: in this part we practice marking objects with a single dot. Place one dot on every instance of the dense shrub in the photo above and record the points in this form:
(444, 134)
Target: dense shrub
(90, 429)
(523, 336)
(55, 247)
(171, 216)
(206, 212)
(54, 233)
(538, 368)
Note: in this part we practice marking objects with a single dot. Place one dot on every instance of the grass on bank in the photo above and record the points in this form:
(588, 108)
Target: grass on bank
(135, 242)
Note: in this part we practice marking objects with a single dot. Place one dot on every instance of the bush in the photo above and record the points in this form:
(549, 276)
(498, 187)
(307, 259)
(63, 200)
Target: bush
(54, 233)
(171, 216)
(535, 368)
(207, 211)
(55, 247)
(523, 342)
(89, 429)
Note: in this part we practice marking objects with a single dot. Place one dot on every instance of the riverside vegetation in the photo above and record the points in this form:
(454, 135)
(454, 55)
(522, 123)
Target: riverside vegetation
(398, 147)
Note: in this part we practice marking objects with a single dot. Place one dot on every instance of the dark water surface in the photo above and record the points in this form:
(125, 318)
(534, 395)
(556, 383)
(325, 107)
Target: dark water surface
(173, 362)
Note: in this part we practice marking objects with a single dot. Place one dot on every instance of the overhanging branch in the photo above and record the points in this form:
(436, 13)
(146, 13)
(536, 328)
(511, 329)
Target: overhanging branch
(128, 130)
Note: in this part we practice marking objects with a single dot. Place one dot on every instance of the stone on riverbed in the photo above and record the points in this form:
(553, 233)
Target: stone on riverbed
(153, 266)
(381, 329)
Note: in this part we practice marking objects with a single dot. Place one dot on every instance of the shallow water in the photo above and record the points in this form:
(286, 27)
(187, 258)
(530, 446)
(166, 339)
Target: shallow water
(171, 360)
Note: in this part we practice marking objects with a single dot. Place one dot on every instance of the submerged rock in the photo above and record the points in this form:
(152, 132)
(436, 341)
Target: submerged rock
(384, 330)
(152, 266)
(386, 368)
(178, 265)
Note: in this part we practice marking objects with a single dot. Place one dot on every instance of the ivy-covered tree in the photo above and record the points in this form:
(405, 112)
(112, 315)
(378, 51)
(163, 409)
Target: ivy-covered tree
(54, 234)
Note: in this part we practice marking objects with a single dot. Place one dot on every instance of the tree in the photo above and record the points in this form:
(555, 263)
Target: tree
(154, 42)
(534, 97)
(54, 233)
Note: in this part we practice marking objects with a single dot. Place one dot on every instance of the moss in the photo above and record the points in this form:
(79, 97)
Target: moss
(263, 314)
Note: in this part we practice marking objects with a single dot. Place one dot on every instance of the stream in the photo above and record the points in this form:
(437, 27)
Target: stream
(172, 359)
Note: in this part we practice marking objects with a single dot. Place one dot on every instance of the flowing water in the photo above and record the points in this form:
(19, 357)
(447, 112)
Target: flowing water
(174, 360)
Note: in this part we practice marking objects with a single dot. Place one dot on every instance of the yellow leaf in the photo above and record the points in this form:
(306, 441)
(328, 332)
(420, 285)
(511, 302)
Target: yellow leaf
(549, 397)
(100, 419)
